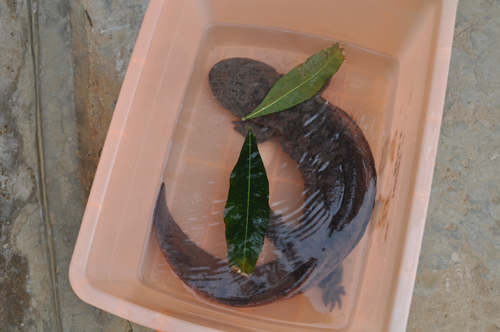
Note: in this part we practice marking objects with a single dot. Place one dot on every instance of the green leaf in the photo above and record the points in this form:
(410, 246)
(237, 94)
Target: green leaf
(246, 214)
(302, 82)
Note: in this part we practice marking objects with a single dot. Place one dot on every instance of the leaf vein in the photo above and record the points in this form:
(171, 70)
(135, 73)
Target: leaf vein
(248, 196)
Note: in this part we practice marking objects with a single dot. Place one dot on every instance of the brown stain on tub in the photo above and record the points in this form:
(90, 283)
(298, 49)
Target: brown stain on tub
(393, 146)
(382, 205)
(385, 156)
(397, 164)
(382, 211)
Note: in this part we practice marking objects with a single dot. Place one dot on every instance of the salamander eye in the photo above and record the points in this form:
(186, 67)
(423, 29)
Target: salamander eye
(323, 249)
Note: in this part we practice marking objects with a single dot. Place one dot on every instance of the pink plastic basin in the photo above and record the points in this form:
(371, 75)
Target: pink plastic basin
(167, 127)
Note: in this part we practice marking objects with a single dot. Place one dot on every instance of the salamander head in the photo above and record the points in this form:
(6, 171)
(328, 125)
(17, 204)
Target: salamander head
(240, 84)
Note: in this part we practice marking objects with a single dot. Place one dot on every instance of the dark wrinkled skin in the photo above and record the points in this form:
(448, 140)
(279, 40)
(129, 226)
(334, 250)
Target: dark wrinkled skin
(339, 174)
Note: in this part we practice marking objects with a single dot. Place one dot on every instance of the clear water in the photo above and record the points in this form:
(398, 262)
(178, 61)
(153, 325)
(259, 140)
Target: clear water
(205, 148)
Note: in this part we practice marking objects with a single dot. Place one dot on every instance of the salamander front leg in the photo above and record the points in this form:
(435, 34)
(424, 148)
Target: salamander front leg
(332, 289)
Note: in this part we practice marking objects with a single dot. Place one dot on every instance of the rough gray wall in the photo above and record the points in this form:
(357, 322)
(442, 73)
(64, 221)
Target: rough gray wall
(47, 56)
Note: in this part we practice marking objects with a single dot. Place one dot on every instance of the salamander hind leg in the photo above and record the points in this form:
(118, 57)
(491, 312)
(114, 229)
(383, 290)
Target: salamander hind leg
(332, 289)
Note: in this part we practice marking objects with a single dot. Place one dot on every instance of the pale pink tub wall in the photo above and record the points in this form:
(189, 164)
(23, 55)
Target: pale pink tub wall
(416, 224)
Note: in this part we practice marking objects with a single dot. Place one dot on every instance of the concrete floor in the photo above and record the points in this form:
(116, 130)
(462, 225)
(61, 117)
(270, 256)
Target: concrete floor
(53, 127)
(458, 281)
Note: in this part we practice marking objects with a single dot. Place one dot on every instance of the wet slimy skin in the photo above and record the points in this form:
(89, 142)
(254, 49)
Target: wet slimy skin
(339, 175)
